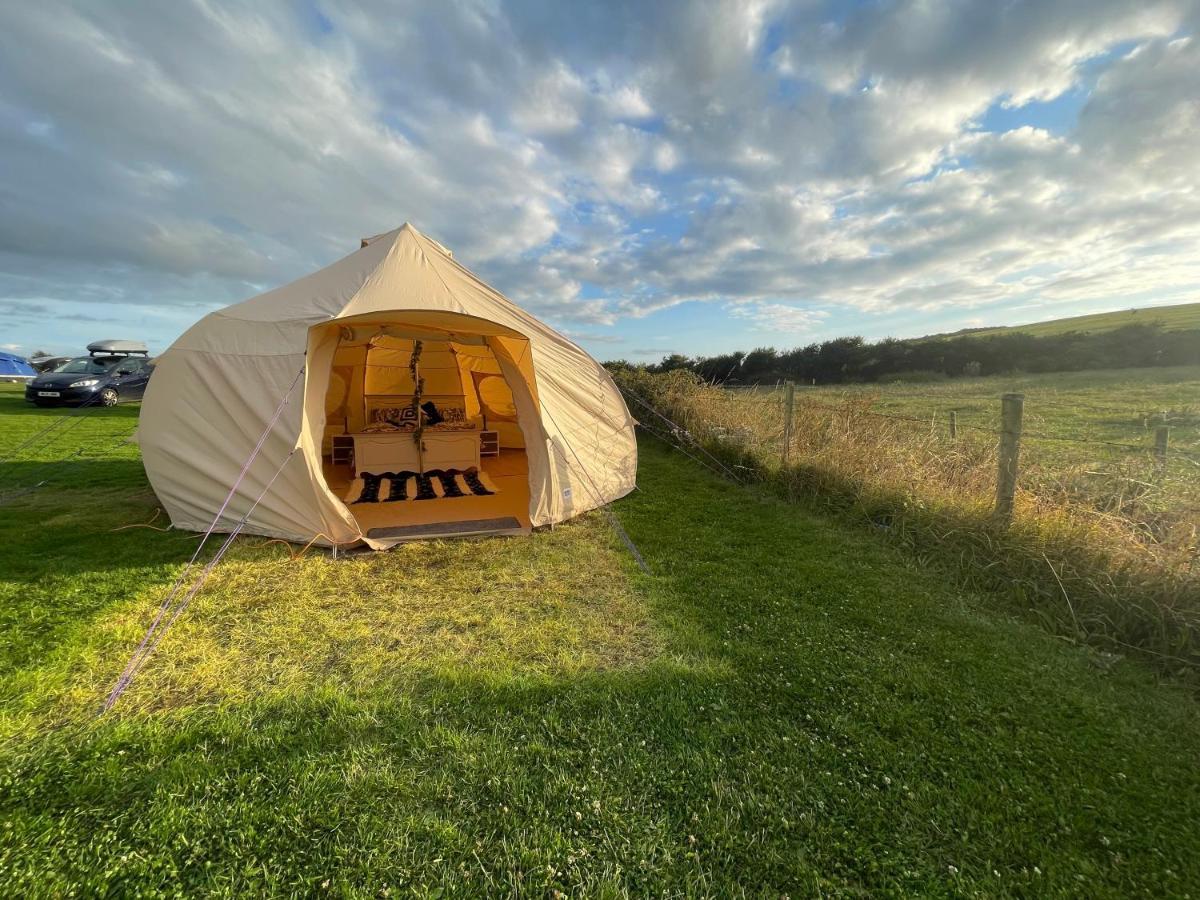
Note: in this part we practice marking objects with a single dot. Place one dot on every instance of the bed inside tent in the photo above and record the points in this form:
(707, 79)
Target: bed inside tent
(423, 416)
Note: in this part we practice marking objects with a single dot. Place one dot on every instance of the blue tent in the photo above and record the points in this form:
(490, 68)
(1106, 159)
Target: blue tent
(12, 366)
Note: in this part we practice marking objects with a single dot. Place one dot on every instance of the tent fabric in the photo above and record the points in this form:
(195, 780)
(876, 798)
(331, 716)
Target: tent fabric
(13, 366)
(215, 389)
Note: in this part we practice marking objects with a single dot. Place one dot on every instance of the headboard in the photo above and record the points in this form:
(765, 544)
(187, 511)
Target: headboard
(397, 408)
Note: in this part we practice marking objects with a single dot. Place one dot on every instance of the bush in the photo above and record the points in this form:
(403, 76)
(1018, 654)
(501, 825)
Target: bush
(851, 359)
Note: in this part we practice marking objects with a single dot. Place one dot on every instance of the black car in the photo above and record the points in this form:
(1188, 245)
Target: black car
(116, 371)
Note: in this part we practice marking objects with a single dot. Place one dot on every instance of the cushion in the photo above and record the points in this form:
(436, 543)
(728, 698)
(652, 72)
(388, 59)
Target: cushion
(432, 416)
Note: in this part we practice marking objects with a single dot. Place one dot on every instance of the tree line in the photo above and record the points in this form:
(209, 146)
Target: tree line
(853, 359)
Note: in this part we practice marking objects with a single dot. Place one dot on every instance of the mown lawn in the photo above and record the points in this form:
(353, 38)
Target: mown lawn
(786, 706)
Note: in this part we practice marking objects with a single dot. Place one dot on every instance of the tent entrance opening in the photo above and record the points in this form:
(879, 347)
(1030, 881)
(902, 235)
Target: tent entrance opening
(422, 434)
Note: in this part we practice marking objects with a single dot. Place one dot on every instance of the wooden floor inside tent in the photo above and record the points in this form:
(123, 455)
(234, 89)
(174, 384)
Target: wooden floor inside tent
(508, 472)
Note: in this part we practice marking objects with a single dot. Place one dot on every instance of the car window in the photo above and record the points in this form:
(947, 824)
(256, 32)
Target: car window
(130, 366)
(86, 365)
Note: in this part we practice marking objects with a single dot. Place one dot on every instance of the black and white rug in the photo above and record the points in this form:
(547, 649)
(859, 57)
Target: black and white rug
(436, 484)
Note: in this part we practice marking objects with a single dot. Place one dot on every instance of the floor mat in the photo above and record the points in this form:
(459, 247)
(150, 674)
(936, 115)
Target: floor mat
(436, 484)
(438, 529)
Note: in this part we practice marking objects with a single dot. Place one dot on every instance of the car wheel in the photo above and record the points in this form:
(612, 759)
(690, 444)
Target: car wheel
(108, 397)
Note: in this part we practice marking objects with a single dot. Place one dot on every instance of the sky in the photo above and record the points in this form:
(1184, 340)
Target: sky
(650, 178)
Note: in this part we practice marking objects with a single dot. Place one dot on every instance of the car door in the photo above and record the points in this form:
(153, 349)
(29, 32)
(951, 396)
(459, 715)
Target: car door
(131, 378)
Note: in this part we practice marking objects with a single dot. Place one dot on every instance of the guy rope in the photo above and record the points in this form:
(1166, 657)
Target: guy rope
(173, 605)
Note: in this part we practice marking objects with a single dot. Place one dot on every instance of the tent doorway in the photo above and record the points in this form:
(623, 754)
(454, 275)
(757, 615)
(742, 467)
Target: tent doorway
(425, 426)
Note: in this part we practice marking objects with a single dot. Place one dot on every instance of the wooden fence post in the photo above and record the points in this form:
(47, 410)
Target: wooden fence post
(953, 425)
(1011, 410)
(789, 405)
(1162, 434)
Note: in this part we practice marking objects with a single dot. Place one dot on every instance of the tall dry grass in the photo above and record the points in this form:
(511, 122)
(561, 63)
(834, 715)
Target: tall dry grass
(1100, 552)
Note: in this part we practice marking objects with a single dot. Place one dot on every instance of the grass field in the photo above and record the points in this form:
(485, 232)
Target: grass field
(1089, 432)
(1181, 317)
(1102, 543)
(1063, 411)
(787, 705)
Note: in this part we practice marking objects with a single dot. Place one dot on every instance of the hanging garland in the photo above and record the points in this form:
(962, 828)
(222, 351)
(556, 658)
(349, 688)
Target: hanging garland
(418, 390)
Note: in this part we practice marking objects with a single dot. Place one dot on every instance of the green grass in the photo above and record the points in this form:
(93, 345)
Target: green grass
(1181, 317)
(1102, 546)
(1121, 406)
(787, 705)
(1101, 423)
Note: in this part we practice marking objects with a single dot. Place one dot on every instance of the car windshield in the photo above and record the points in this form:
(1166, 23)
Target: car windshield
(86, 365)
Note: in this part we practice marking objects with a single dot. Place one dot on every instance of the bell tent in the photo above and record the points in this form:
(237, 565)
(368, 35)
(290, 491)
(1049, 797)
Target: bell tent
(391, 395)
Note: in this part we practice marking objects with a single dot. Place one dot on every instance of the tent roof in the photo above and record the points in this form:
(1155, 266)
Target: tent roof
(398, 270)
(402, 257)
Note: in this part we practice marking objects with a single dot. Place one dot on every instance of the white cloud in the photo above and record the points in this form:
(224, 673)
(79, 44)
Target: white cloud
(601, 163)
(627, 103)
(780, 318)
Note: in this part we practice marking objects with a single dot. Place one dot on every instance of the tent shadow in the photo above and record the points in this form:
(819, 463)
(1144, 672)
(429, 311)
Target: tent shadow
(17, 404)
(74, 547)
(34, 485)
(450, 761)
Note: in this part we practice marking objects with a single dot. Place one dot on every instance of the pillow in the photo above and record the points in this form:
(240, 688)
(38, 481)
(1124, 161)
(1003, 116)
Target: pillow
(432, 416)
(394, 415)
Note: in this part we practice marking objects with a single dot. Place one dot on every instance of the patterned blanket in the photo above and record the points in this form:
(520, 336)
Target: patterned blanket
(392, 487)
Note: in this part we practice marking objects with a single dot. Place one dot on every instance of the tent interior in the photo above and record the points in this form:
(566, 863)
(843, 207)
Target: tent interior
(423, 428)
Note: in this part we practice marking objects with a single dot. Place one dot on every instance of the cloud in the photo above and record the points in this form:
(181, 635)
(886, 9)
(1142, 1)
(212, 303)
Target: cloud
(781, 319)
(603, 162)
(593, 337)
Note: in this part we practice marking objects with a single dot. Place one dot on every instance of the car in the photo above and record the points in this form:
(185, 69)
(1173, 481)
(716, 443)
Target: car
(113, 372)
(47, 363)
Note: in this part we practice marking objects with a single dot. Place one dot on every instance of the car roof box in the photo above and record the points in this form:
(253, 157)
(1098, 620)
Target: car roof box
(117, 348)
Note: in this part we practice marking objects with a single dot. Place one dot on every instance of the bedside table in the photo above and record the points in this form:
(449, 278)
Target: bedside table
(342, 452)
(489, 443)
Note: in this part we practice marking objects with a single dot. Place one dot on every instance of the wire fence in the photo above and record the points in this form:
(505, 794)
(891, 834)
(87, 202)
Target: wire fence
(941, 406)
(1147, 483)
(1103, 530)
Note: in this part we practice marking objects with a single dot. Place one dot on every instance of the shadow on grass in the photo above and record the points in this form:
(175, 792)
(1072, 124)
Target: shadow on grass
(74, 548)
(67, 477)
(13, 403)
(783, 707)
(466, 783)
(1047, 565)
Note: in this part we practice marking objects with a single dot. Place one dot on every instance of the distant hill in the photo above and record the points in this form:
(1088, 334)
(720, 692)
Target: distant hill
(1184, 317)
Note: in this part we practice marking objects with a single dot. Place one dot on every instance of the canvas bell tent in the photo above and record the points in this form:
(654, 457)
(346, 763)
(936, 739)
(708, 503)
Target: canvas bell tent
(391, 395)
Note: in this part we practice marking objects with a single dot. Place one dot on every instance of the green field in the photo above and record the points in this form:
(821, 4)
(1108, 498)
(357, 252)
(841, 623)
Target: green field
(1181, 317)
(1121, 406)
(787, 705)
